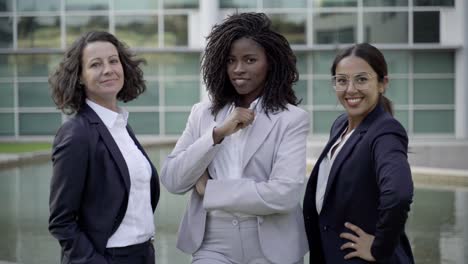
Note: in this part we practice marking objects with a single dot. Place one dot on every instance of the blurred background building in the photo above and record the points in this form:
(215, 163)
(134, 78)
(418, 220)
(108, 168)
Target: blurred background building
(424, 41)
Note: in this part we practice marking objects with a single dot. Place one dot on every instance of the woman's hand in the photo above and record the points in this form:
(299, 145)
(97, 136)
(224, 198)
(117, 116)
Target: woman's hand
(361, 243)
(239, 118)
(200, 185)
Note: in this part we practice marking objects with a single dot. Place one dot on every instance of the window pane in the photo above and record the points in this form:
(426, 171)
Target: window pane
(136, 5)
(433, 2)
(397, 91)
(6, 65)
(385, 2)
(178, 64)
(144, 123)
(388, 27)
(137, 31)
(332, 28)
(323, 121)
(433, 62)
(86, 4)
(284, 3)
(8, 124)
(237, 3)
(429, 91)
(180, 3)
(397, 61)
(77, 25)
(402, 117)
(426, 27)
(182, 93)
(434, 121)
(328, 3)
(152, 62)
(300, 89)
(175, 122)
(37, 65)
(39, 124)
(34, 5)
(323, 93)
(175, 30)
(301, 62)
(323, 61)
(6, 32)
(291, 26)
(39, 32)
(6, 6)
(149, 98)
(6, 95)
(34, 94)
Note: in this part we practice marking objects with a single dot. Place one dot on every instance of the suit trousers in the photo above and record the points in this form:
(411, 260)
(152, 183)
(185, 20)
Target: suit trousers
(135, 254)
(231, 240)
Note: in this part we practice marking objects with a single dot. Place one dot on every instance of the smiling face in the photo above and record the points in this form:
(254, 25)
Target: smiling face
(102, 73)
(247, 68)
(359, 103)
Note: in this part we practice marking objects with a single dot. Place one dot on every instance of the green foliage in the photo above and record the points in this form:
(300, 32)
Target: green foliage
(20, 147)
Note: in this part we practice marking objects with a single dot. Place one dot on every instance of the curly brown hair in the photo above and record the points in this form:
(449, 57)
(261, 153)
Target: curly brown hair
(67, 92)
(282, 71)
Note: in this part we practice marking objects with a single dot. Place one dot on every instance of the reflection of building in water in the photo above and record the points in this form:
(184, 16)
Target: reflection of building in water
(424, 41)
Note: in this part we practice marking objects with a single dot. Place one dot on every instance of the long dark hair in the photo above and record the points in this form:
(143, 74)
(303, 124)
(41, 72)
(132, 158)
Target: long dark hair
(375, 59)
(282, 71)
(67, 92)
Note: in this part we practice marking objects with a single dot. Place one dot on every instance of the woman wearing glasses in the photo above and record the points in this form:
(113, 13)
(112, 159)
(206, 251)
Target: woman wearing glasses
(359, 193)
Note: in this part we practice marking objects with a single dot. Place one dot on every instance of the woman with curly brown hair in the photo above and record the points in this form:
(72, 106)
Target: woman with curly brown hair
(104, 188)
(243, 154)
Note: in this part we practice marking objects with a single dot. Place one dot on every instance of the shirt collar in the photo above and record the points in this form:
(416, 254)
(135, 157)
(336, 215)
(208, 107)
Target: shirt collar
(108, 116)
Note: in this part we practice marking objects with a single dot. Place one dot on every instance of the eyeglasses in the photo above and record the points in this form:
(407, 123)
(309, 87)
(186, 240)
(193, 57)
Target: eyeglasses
(360, 81)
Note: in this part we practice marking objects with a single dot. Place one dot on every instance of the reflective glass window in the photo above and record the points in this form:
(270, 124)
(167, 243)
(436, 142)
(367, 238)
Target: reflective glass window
(291, 26)
(181, 93)
(238, 3)
(137, 31)
(8, 124)
(301, 63)
(397, 61)
(6, 6)
(178, 64)
(34, 94)
(330, 28)
(323, 93)
(86, 4)
(402, 117)
(426, 27)
(175, 122)
(34, 5)
(430, 91)
(151, 68)
(6, 65)
(39, 124)
(6, 32)
(397, 91)
(300, 89)
(323, 61)
(149, 98)
(144, 123)
(39, 32)
(323, 120)
(385, 2)
(37, 65)
(180, 3)
(434, 2)
(434, 121)
(77, 25)
(6, 94)
(175, 30)
(386, 27)
(284, 3)
(434, 62)
(335, 3)
(136, 5)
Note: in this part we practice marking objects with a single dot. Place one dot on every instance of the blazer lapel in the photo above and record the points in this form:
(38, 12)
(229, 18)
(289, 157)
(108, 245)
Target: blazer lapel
(110, 144)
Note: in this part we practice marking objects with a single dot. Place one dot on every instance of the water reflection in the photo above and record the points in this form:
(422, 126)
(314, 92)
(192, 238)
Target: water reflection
(437, 227)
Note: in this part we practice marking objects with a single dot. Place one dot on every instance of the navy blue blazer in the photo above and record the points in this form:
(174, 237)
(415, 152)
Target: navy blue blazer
(89, 187)
(370, 185)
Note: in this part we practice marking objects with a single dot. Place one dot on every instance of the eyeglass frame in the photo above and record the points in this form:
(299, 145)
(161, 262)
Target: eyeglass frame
(348, 79)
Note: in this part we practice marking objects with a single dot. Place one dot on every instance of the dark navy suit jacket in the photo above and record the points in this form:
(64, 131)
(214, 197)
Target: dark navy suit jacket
(370, 185)
(89, 187)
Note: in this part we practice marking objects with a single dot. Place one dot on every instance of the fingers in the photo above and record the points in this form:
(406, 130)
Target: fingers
(349, 236)
(351, 255)
(354, 228)
(350, 245)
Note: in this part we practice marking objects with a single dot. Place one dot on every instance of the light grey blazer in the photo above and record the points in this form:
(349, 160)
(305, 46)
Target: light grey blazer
(270, 188)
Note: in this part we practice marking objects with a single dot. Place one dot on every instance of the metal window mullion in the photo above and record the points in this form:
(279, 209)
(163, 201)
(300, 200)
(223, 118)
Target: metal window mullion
(410, 23)
(111, 15)
(160, 24)
(411, 95)
(360, 22)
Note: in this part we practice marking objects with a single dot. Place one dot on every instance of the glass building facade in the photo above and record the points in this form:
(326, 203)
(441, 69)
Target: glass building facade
(423, 40)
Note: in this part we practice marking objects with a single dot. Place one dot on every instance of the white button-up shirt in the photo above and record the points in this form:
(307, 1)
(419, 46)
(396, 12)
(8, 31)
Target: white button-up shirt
(137, 225)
